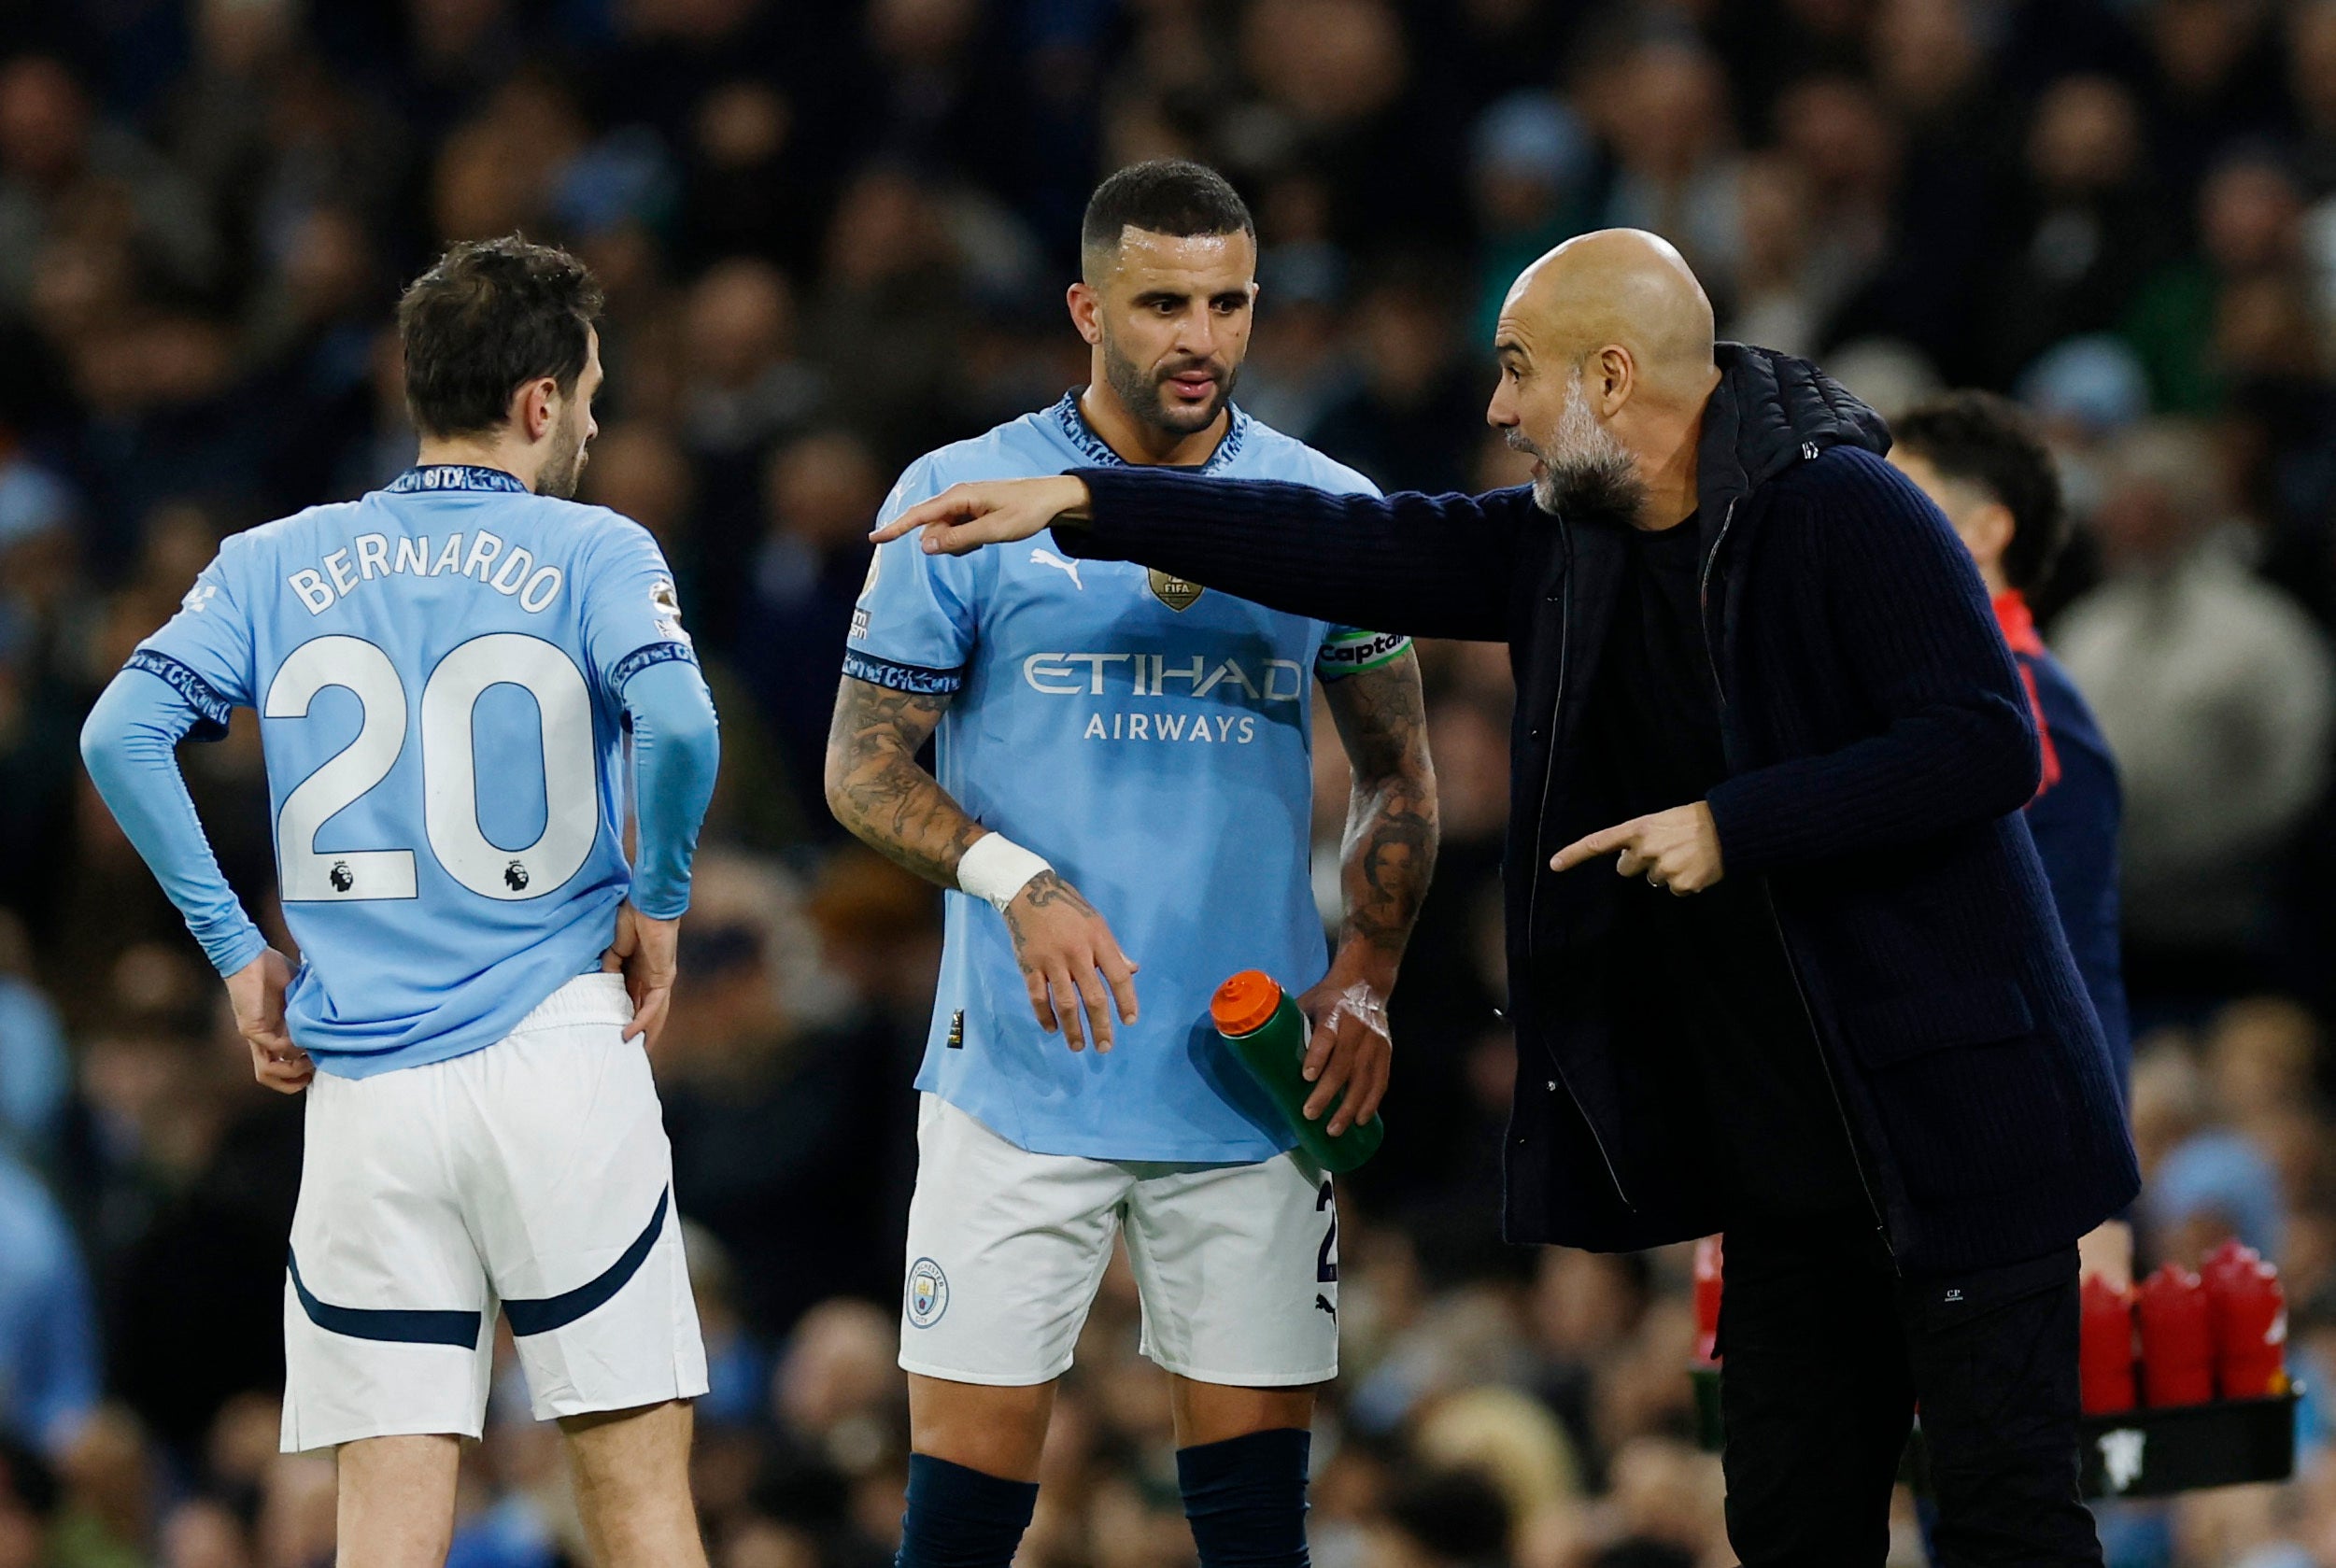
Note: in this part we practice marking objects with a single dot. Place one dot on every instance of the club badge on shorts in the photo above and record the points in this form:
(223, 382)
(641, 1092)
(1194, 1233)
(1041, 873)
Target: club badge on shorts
(1174, 592)
(928, 1292)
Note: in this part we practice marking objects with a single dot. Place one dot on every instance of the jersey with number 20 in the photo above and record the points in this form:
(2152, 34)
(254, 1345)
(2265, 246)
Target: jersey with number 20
(439, 669)
(1151, 738)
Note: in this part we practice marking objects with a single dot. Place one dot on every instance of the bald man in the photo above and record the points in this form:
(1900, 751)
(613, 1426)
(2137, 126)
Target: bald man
(1826, 1005)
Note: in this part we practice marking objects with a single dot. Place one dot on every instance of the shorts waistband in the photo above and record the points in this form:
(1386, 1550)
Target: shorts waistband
(598, 999)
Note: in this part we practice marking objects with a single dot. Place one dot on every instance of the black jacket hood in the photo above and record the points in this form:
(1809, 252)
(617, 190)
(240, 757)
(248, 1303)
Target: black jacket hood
(1769, 412)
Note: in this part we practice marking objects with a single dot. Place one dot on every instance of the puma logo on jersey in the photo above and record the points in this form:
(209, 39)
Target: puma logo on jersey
(1321, 1303)
(1067, 568)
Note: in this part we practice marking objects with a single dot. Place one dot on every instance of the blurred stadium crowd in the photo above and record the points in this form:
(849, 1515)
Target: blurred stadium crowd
(834, 234)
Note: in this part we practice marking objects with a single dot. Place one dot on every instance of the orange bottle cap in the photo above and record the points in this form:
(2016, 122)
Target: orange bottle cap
(1244, 1002)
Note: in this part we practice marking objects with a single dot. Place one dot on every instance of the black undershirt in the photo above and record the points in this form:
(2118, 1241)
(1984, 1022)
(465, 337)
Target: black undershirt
(1708, 972)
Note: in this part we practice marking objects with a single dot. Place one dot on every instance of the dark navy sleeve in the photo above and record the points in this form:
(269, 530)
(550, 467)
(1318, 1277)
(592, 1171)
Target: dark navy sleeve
(1429, 566)
(1957, 743)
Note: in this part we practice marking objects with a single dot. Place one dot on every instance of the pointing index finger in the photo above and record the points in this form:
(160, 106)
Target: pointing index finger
(952, 503)
(1605, 842)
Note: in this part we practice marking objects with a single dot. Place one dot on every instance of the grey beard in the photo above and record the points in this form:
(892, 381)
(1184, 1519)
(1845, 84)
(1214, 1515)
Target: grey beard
(1588, 471)
(1599, 483)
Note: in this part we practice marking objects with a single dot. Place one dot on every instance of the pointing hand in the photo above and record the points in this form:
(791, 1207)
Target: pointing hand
(964, 517)
(1677, 849)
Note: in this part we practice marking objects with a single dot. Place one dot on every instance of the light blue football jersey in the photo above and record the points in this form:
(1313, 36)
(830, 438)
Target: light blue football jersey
(439, 669)
(1149, 738)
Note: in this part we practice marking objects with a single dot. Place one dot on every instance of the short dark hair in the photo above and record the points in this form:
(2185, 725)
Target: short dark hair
(1163, 196)
(1989, 441)
(488, 318)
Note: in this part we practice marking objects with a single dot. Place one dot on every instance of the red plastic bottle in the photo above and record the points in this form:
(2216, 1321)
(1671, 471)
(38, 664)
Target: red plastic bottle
(2249, 1313)
(1709, 1263)
(2177, 1339)
(2105, 1348)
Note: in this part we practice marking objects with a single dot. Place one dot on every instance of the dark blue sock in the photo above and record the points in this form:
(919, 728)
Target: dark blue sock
(961, 1518)
(1246, 1498)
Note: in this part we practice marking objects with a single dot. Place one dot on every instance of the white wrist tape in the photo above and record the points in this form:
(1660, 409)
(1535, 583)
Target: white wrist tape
(1364, 1004)
(996, 868)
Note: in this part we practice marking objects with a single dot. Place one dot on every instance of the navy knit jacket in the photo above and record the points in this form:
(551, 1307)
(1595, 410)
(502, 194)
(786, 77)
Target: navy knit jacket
(1880, 749)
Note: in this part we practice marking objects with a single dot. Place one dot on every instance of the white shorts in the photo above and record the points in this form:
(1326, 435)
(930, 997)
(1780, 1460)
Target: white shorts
(531, 1177)
(1236, 1266)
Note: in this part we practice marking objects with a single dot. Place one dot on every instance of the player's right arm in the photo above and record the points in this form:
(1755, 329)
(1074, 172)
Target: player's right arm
(184, 680)
(876, 789)
(914, 635)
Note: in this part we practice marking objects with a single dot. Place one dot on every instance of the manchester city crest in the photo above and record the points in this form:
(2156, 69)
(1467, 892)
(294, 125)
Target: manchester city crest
(928, 1292)
(1174, 592)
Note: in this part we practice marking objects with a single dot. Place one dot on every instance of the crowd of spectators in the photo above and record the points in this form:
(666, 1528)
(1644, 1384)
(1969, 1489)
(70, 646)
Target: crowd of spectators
(834, 233)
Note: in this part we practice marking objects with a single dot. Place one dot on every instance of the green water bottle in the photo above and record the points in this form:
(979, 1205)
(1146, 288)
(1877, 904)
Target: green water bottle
(1263, 1026)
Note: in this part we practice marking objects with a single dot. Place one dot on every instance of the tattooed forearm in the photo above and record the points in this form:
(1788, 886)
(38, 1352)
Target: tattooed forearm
(876, 789)
(1390, 849)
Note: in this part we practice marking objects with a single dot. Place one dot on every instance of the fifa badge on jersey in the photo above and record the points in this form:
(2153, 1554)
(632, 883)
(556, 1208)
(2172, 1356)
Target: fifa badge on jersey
(928, 1292)
(665, 605)
(1174, 592)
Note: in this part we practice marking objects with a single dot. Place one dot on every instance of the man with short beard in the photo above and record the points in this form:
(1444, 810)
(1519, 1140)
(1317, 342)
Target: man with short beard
(1827, 1005)
(1123, 771)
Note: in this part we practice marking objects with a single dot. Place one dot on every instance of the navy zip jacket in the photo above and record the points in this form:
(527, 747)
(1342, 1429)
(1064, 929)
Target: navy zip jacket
(1880, 750)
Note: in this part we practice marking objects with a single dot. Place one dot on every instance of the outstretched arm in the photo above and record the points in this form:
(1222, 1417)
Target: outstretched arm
(1388, 858)
(1434, 566)
(877, 790)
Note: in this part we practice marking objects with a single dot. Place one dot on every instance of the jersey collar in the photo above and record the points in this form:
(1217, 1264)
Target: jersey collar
(2019, 625)
(455, 476)
(1075, 429)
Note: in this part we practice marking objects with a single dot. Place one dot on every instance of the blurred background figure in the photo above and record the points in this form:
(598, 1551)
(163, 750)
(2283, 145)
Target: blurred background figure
(832, 235)
(2215, 693)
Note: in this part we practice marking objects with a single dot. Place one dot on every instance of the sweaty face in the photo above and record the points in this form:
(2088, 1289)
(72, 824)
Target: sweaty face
(1173, 314)
(1577, 461)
